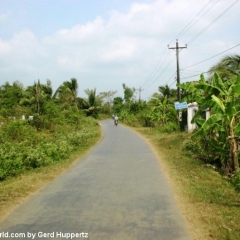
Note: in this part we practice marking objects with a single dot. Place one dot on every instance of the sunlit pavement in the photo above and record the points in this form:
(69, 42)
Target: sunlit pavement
(117, 191)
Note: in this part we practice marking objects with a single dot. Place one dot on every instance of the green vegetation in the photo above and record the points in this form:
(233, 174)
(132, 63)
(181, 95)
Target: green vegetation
(158, 113)
(206, 199)
(204, 165)
(23, 147)
(221, 130)
(56, 131)
(55, 127)
(217, 139)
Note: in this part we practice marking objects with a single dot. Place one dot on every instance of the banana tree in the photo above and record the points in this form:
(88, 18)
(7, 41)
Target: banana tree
(162, 111)
(222, 98)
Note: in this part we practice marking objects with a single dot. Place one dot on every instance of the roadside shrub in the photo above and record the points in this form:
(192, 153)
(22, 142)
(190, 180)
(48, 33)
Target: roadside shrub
(22, 147)
(17, 130)
(169, 127)
(79, 138)
(35, 159)
(131, 120)
(194, 147)
(206, 149)
(236, 180)
(10, 167)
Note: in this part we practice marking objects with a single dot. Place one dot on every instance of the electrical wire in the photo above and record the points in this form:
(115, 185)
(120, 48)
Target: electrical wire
(191, 70)
(211, 57)
(172, 84)
(160, 74)
(193, 75)
(187, 28)
(199, 18)
(170, 78)
(155, 71)
(152, 75)
(193, 39)
(208, 26)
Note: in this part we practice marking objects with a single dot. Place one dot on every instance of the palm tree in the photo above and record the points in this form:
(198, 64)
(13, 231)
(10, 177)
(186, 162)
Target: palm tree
(92, 104)
(47, 89)
(166, 92)
(37, 95)
(227, 68)
(67, 92)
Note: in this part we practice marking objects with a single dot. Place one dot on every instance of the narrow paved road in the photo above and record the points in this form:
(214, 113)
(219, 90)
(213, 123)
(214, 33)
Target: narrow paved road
(116, 192)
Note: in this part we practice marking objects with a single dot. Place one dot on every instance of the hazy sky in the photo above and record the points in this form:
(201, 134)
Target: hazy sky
(105, 43)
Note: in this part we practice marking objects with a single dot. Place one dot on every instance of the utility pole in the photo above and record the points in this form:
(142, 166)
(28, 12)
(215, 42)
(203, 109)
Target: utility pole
(178, 73)
(140, 90)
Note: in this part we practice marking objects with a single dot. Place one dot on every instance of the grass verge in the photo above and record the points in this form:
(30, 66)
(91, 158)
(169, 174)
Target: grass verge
(15, 190)
(207, 200)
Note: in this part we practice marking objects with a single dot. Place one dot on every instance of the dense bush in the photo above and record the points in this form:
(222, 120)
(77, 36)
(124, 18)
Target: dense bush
(202, 147)
(22, 147)
(130, 119)
(17, 131)
(236, 180)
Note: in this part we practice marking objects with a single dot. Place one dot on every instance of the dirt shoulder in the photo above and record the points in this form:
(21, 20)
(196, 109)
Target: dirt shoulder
(207, 201)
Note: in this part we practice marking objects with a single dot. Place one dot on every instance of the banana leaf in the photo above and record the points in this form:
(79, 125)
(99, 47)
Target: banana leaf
(211, 121)
(219, 103)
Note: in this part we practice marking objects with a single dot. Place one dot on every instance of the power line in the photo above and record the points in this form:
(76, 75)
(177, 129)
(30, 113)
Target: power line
(172, 84)
(194, 75)
(196, 36)
(149, 92)
(183, 30)
(152, 75)
(163, 84)
(149, 78)
(155, 71)
(170, 78)
(191, 70)
(200, 17)
(211, 57)
(160, 73)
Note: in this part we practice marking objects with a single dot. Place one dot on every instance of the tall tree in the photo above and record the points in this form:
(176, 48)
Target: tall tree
(91, 105)
(166, 92)
(10, 96)
(37, 95)
(106, 99)
(47, 89)
(117, 105)
(67, 92)
(128, 93)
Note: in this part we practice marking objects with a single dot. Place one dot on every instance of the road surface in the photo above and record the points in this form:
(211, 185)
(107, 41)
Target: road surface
(116, 192)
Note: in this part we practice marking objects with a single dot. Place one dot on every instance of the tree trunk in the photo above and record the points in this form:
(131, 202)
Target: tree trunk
(233, 157)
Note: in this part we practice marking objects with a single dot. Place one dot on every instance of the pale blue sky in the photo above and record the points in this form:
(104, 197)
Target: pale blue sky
(47, 16)
(104, 43)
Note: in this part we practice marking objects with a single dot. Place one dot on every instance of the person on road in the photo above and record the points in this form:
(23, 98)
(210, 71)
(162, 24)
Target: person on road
(116, 120)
